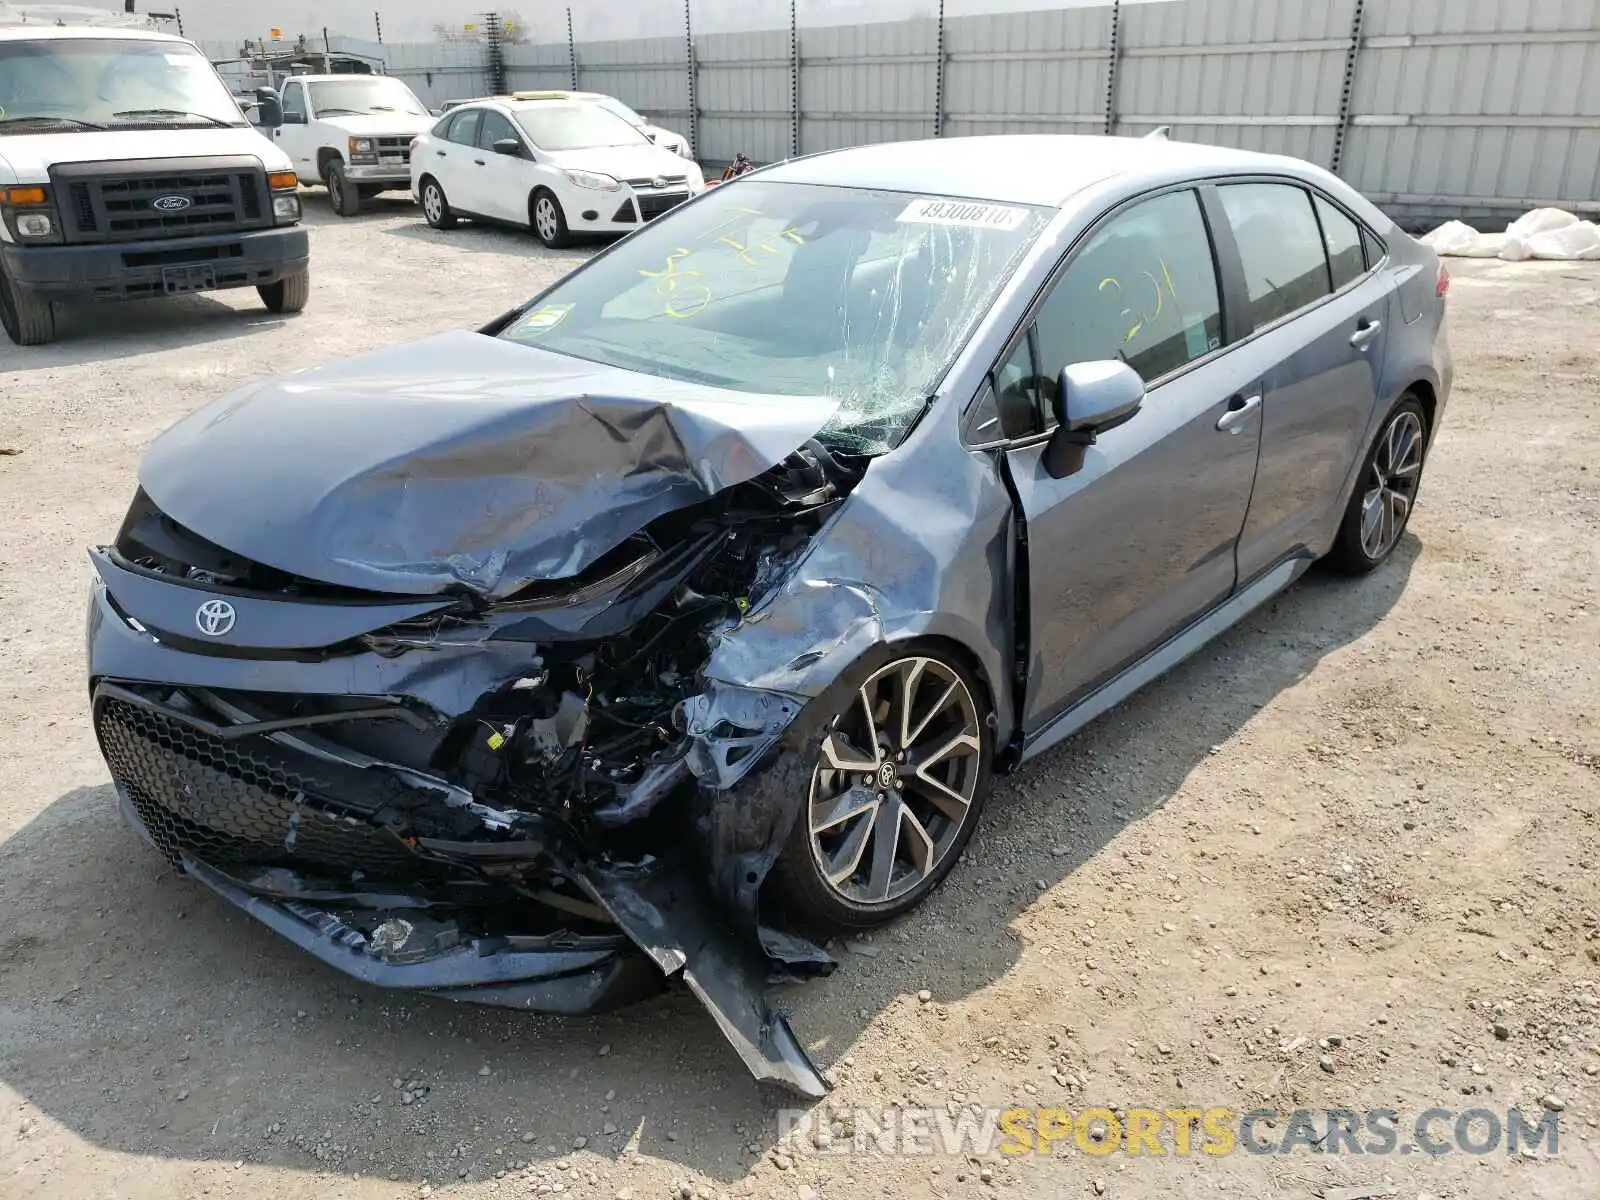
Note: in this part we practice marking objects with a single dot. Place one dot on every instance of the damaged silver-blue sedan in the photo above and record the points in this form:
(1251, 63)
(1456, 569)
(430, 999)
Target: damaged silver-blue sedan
(685, 612)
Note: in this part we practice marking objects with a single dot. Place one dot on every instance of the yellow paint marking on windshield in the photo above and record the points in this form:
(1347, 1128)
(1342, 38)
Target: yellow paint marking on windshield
(683, 300)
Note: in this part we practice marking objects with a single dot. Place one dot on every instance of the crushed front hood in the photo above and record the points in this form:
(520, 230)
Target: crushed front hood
(459, 462)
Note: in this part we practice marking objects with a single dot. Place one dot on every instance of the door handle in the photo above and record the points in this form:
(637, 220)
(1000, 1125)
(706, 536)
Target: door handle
(479, 161)
(1365, 332)
(1240, 410)
(440, 153)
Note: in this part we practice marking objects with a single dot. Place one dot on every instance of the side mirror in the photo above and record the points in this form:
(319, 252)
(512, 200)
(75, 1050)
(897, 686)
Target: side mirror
(269, 108)
(1091, 398)
(508, 146)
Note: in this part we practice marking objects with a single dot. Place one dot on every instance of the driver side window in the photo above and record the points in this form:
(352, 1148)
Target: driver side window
(1143, 290)
(294, 102)
(495, 128)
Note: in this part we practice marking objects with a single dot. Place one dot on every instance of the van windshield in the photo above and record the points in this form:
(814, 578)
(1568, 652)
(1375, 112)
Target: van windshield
(59, 84)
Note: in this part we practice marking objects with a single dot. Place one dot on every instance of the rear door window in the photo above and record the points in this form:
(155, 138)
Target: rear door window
(1343, 238)
(1280, 243)
(465, 128)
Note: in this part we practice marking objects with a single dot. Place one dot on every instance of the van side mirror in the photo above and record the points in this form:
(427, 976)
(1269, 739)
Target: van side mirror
(1091, 398)
(269, 108)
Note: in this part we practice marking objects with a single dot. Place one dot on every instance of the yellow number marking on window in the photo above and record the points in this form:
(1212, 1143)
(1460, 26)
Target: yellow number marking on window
(683, 300)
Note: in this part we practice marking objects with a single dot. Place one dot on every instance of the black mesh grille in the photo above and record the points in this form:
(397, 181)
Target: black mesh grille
(250, 802)
(652, 206)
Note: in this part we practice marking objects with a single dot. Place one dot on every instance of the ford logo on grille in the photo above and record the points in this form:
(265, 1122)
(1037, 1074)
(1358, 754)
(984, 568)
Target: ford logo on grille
(658, 183)
(171, 203)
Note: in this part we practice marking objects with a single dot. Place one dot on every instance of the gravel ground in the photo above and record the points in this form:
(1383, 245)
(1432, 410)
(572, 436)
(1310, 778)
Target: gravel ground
(1345, 858)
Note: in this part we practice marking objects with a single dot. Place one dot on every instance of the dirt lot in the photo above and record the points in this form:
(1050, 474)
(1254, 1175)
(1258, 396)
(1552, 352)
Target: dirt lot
(1345, 858)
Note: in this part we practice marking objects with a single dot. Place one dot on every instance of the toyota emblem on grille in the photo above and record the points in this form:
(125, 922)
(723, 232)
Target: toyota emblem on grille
(214, 618)
(171, 203)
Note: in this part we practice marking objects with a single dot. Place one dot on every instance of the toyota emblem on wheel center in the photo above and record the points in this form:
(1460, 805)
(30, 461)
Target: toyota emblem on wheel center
(214, 618)
(171, 203)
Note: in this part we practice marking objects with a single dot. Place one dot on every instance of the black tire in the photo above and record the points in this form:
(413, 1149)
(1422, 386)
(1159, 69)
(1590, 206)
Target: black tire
(343, 196)
(1360, 548)
(555, 233)
(27, 317)
(289, 294)
(797, 884)
(436, 209)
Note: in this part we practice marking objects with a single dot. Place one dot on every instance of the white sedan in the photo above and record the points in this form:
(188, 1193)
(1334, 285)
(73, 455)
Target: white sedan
(560, 167)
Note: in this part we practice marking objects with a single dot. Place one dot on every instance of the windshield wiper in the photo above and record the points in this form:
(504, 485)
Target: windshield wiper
(136, 113)
(73, 121)
(380, 108)
(343, 112)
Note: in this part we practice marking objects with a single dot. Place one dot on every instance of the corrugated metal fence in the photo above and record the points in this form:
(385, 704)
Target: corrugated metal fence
(1480, 108)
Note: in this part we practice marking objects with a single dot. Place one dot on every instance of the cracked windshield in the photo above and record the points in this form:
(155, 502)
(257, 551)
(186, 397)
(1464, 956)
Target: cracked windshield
(91, 83)
(796, 290)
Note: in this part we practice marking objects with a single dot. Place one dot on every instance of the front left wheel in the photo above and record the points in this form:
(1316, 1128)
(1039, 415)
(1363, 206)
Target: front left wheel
(435, 206)
(549, 222)
(898, 780)
(289, 294)
(27, 318)
(344, 197)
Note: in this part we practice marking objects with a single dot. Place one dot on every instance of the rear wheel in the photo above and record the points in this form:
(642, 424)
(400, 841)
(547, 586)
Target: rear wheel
(898, 780)
(435, 206)
(548, 221)
(343, 196)
(289, 294)
(1386, 492)
(27, 317)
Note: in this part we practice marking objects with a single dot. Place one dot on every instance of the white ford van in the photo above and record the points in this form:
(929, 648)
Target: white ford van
(128, 170)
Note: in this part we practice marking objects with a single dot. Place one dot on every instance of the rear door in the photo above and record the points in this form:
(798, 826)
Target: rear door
(1139, 540)
(1317, 319)
(453, 161)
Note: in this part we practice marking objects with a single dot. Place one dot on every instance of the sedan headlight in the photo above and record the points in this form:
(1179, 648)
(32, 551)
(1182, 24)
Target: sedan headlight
(592, 180)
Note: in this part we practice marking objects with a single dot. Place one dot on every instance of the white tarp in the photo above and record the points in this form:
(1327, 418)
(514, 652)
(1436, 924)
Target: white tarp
(1550, 233)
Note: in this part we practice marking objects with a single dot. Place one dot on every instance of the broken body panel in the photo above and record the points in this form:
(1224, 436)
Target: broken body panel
(448, 747)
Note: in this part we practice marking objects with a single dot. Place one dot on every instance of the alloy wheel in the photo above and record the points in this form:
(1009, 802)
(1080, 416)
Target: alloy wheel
(544, 217)
(432, 203)
(896, 778)
(1391, 485)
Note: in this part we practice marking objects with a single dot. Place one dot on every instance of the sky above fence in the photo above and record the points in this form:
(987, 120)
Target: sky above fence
(545, 20)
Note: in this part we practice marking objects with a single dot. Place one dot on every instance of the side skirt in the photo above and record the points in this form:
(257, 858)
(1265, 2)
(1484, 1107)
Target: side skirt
(1168, 655)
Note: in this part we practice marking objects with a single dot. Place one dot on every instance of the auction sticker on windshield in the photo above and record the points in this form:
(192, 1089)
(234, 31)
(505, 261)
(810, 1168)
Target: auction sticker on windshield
(541, 320)
(964, 212)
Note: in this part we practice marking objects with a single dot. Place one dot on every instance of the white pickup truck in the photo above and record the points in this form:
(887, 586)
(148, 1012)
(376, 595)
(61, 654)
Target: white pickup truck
(128, 170)
(353, 132)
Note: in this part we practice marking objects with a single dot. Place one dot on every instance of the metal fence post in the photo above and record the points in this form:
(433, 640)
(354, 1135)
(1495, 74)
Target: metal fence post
(1111, 67)
(794, 80)
(1347, 91)
(572, 54)
(938, 80)
(694, 98)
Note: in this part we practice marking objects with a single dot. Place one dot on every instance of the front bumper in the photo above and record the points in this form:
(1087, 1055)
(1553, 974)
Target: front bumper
(166, 266)
(395, 877)
(388, 174)
(621, 211)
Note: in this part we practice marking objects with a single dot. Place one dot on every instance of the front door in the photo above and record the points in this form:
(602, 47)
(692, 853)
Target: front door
(1140, 539)
(294, 135)
(501, 189)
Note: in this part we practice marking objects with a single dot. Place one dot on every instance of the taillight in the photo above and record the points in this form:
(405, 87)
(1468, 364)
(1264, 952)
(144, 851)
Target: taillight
(1442, 288)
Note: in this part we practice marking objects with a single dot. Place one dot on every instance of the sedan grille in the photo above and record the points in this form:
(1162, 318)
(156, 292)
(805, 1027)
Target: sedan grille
(652, 206)
(251, 802)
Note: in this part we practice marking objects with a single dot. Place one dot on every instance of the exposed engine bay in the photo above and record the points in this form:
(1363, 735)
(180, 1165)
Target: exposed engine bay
(516, 843)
